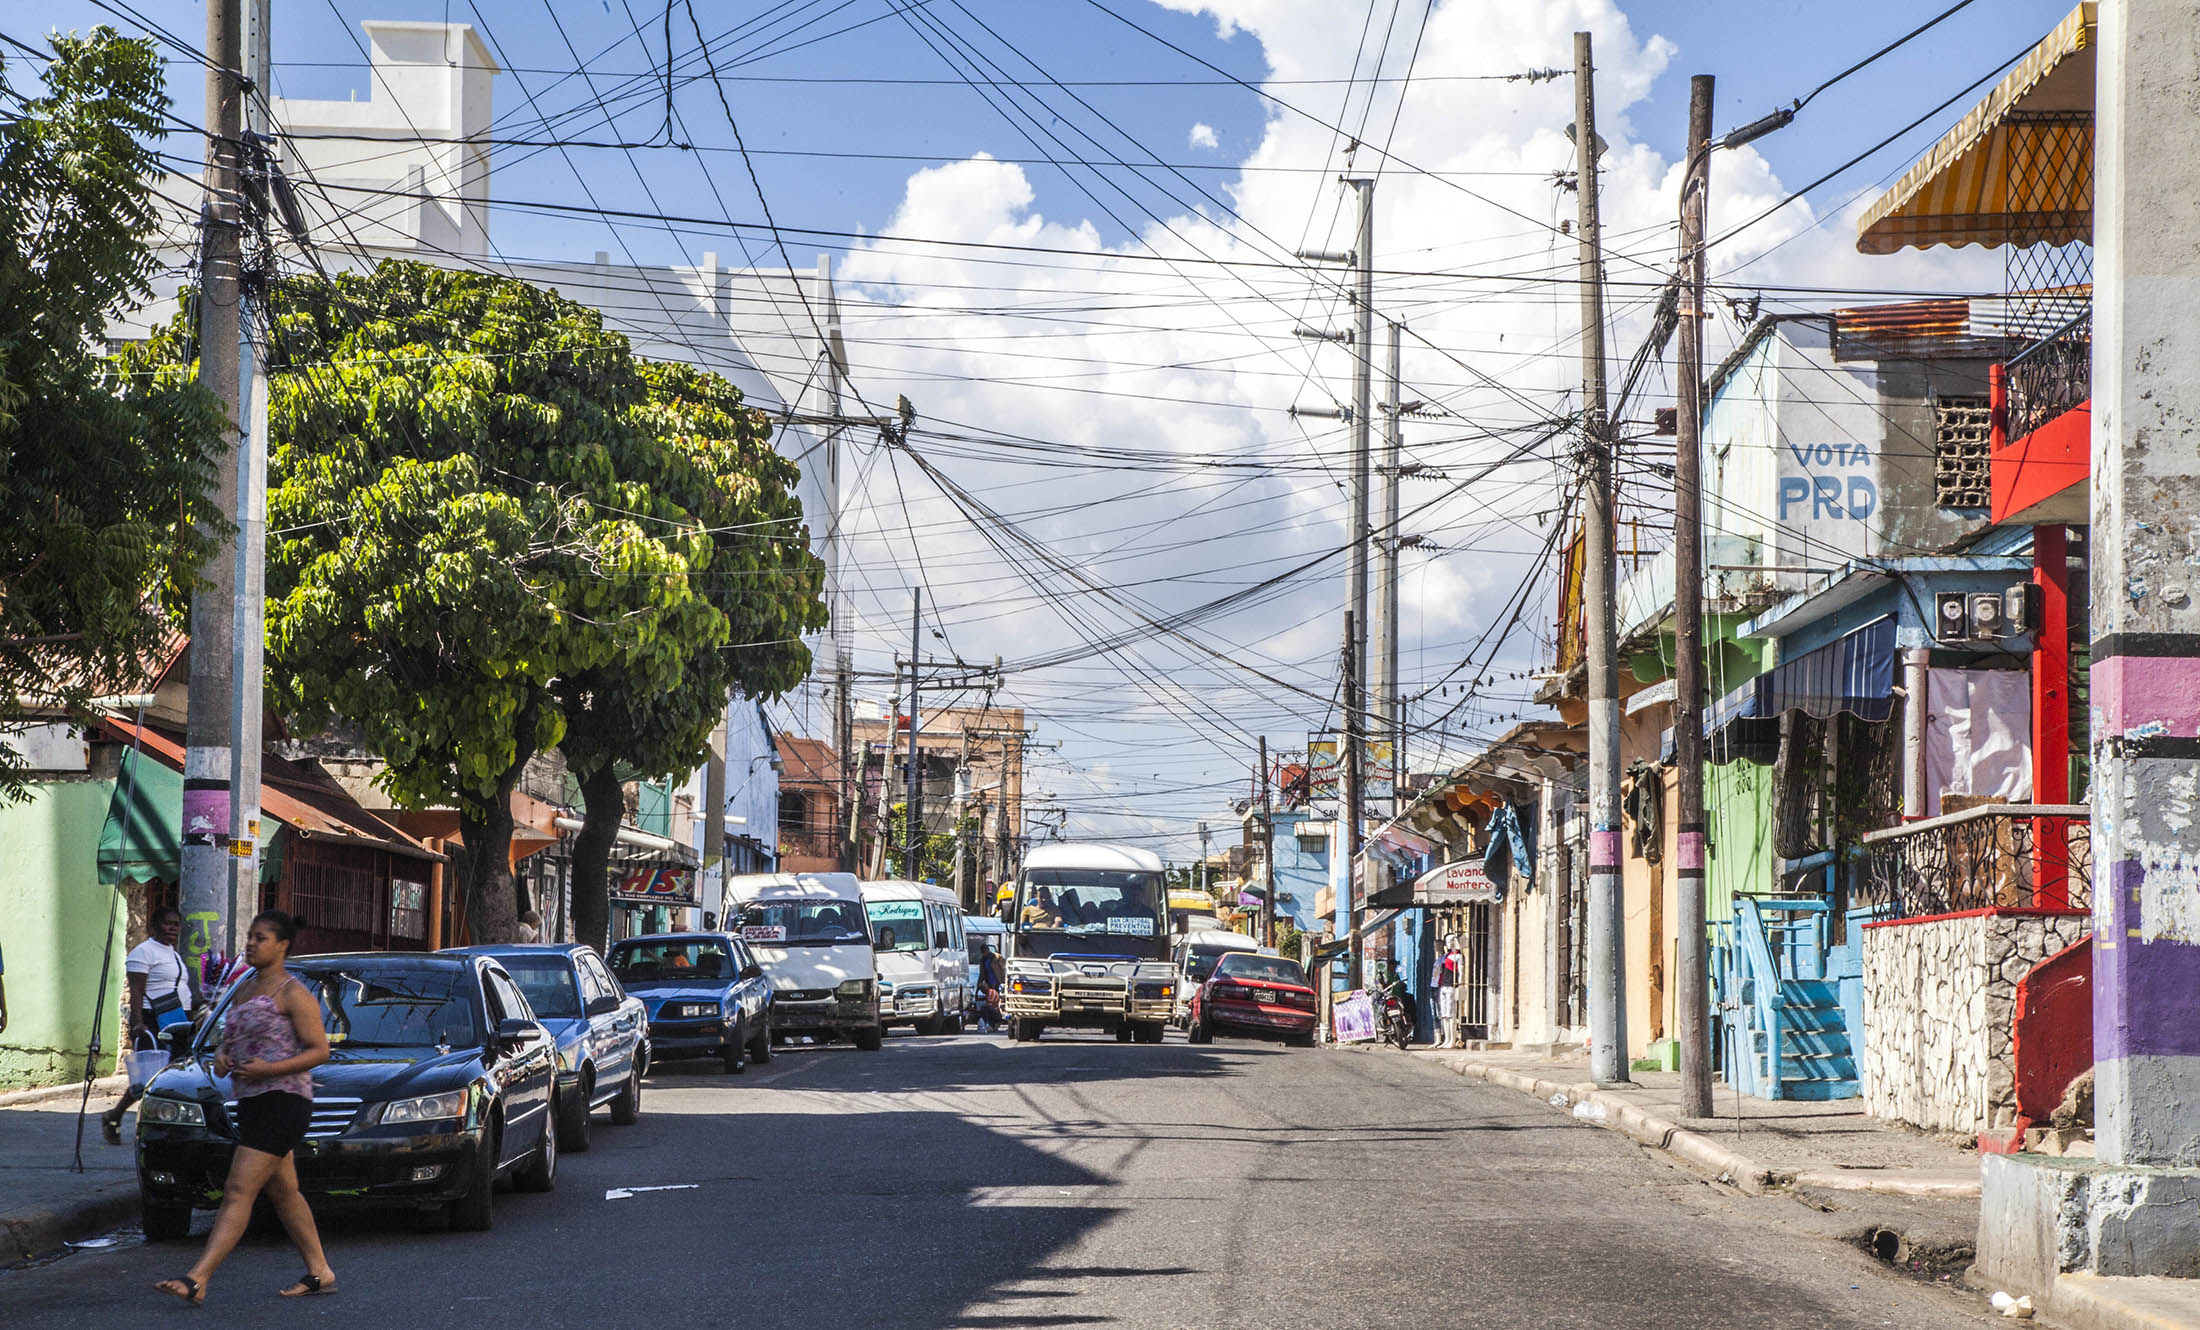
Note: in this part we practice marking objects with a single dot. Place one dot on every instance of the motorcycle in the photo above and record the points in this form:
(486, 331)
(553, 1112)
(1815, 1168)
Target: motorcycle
(1393, 1019)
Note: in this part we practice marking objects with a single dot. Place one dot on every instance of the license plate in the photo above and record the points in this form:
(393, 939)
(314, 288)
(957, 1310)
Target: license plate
(1264, 995)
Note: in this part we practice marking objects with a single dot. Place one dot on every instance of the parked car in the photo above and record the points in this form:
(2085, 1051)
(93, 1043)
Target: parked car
(601, 1031)
(1252, 994)
(705, 994)
(438, 1085)
(1194, 960)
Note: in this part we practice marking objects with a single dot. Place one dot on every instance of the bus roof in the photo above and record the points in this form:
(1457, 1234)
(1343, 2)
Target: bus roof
(792, 886)
(901, 889)
(1114, 858)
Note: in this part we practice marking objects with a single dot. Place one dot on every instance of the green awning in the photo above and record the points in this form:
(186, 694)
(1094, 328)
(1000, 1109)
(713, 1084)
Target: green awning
(142, 840)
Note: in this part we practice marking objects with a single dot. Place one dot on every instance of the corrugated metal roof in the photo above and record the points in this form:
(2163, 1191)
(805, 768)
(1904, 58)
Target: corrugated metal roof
(1916, 330)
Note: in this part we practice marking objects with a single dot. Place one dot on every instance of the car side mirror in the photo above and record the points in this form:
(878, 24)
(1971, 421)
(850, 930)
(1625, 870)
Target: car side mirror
(880, 944)
(177, 1040)
(939, 941)
(514, 1031)
(752, 971)
(604, 1006)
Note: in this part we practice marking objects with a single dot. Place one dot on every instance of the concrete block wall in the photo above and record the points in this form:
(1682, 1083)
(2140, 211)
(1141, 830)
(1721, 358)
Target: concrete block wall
(1939, 997)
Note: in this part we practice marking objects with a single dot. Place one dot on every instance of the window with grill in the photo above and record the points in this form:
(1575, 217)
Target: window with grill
(1962, 436)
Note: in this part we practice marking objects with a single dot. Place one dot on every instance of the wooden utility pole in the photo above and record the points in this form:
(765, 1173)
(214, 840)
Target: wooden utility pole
(1692, 996)
(1607, 955)
(912, 862)
(1349, 843)
(1267, 854)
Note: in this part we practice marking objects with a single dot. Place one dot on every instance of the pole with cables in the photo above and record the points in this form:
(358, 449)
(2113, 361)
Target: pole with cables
(1383, 708)
(911, 864)
(1693, 983)
(1607, 955)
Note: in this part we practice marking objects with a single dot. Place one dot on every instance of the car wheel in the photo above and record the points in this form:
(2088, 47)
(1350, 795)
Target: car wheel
(166, 1223)
(760, 1048)
(1150, 1032)
(626, 1110)
(870, 1038)
(476, 1211)
(1124, 1033)
(932, 1024)
(1199, 1032)
(734, 1058)
(572, 1116)
(1302, 1040)
(541, 1173)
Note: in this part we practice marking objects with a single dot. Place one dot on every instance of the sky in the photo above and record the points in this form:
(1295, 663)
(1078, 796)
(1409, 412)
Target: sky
(1104, 362)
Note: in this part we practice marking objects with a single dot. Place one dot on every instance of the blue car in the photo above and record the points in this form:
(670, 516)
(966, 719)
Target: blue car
(706, 994)
(601, 1031)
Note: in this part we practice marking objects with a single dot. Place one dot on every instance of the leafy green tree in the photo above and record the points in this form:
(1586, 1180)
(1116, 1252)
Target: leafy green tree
(103, 474)
(699, 466)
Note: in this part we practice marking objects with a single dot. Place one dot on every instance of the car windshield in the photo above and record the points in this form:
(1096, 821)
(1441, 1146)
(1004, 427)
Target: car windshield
(1091, 900)
(381, 1004)
(814, 923)
(669, 960)
(548, 982)
(898, 925)
(1201, 962)
(1250, 968)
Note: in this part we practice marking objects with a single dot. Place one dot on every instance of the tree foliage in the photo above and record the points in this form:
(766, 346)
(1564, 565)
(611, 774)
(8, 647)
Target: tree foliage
(103, 472)
(481, 525)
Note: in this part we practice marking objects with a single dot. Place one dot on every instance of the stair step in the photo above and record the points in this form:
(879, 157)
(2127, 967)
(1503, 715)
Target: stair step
(1819, 1089)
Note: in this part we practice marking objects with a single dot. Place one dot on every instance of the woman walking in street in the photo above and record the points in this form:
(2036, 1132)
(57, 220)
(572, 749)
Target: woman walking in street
(270, 1045)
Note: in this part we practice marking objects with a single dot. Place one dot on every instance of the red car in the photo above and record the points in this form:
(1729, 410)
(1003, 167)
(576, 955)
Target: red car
(1252, 994)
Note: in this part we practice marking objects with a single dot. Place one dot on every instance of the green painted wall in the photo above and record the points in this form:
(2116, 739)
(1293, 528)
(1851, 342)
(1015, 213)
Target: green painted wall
(1738, 811)
(54, 916)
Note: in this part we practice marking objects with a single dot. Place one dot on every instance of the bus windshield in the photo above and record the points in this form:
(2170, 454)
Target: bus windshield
(898, 925)
(1091, 900)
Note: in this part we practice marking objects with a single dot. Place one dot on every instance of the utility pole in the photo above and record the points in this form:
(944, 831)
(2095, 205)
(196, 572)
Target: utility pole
(1203, 879)
(713, 848)
(1607, 956)
(915, 853)
(1383, 705)
(1348, 845)
(220, 815)
(962, 807)
(836, 364)
(1267, 854)
(1692, 986)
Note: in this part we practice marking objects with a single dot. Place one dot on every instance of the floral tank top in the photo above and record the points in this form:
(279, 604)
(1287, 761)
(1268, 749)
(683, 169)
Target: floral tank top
(260, 1030)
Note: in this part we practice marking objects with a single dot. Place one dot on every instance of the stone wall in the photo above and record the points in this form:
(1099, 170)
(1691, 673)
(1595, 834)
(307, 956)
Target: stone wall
(1939, 998)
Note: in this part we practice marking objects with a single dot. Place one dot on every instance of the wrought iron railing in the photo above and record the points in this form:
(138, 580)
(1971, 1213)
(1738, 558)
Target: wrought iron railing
(809, 844)
(1997, 856)
(2049, 377)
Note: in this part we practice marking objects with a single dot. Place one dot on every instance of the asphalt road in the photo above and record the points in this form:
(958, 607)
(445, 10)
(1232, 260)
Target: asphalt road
(968, 1182)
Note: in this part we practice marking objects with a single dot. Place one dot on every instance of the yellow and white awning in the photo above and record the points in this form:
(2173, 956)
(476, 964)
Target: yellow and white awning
(2018, 170)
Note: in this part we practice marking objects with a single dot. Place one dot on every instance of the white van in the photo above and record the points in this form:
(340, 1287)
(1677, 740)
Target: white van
(1194, 958)
(983, 932)
(809, 933)
(923, 959)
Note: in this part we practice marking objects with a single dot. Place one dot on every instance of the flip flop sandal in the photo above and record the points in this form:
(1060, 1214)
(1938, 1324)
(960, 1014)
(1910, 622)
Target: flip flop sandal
(309, 1286)
(192, 1294)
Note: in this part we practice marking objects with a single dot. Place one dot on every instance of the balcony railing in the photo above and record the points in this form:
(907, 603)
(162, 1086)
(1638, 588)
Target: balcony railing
(1997, 856)
(808, 845)
(2049, 377)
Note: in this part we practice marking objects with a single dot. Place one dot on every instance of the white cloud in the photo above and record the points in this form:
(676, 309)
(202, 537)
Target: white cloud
(1107, 349)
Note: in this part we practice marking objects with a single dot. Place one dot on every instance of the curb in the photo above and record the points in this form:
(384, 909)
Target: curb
(107, 1086)
(2091, 1302)
(1695, 1148)
(34, 1233)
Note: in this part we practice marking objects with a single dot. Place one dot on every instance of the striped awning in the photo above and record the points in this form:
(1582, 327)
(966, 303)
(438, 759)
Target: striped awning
(1854, 674)
(2018, 170)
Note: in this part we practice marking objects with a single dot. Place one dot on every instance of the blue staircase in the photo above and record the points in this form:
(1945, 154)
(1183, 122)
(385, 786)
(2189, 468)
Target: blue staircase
(1785, 1032)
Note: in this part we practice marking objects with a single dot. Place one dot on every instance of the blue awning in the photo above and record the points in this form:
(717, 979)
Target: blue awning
(1854, 674)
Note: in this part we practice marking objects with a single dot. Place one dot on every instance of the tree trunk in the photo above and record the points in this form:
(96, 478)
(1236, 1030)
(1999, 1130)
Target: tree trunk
(492, 906)
(605, 803)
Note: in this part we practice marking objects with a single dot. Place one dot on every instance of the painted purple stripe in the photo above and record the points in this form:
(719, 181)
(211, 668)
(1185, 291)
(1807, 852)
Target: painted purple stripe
(2145, 992)
(2149, 694)
(1603, 849)
(1688, 855)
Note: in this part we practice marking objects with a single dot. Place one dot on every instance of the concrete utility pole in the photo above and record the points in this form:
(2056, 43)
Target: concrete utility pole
(1383, 704)
(915, 853)
(1267, 854)
(1692, 995)
(713, 848)
(962, 806)
(836, 367)
(1348, 845)
(1203, 877)
(1607, 954)
(221, 803)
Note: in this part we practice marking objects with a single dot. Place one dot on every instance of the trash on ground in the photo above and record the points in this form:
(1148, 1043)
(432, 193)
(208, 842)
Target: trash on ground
(2019, 1309)
(623, 1193)
(1590, 1112)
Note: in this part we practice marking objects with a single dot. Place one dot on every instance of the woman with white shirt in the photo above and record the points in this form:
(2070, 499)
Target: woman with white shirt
(160, 989)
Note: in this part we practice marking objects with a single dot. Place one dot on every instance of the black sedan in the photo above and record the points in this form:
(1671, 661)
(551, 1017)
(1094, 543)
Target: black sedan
(437, 1086)
(602, 1031)
(706, 994)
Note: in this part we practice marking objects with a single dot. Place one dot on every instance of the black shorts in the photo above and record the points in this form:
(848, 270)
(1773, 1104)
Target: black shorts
(273, 1122)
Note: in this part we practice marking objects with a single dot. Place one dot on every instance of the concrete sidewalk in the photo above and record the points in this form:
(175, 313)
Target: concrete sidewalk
(44, 1203)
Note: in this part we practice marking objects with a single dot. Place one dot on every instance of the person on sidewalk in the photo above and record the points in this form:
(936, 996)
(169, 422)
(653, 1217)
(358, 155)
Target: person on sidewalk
(1447, 992)
(160, 996)
(273, 1040)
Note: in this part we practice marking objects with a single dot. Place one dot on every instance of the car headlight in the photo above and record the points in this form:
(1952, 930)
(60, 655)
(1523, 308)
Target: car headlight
(172, 1112)
(855, 988)
(690, 1011)
(1153, 990)
(1030, 984)
(445, 1107)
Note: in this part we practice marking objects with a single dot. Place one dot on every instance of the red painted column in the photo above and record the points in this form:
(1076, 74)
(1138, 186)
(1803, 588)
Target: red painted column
(2051, 716)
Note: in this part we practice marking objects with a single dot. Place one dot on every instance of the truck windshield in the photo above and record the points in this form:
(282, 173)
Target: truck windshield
(1091, 900)
(898, 925)
(808, 923)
